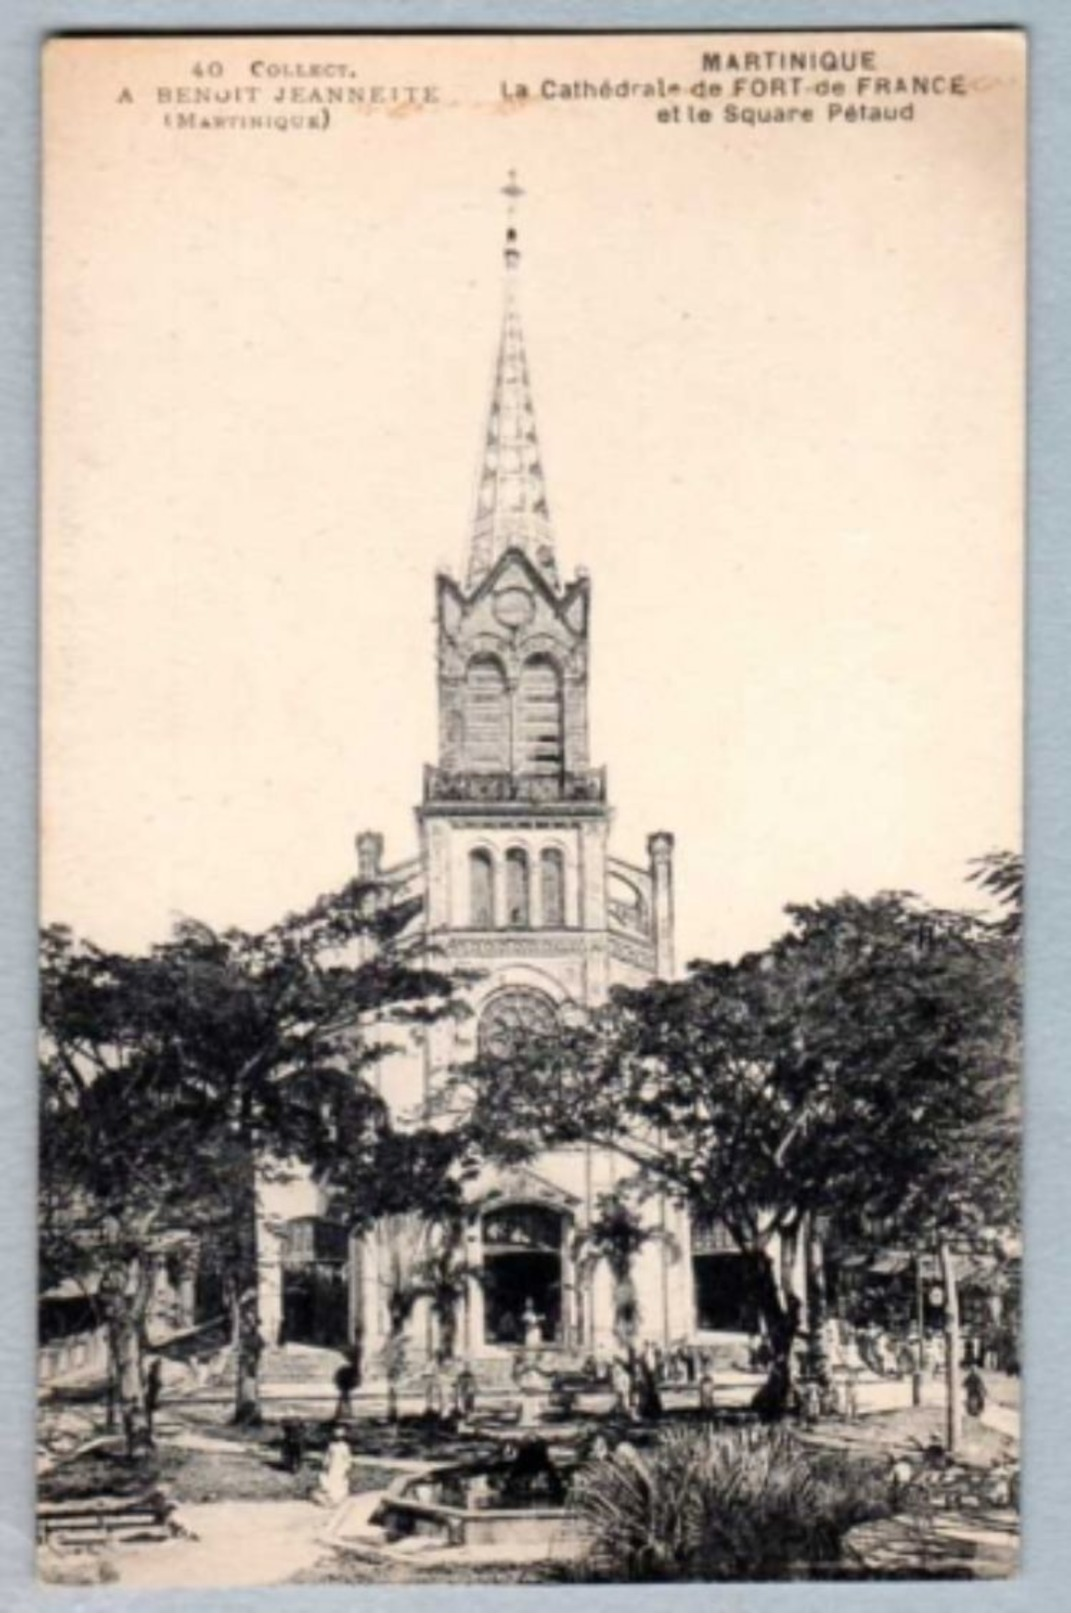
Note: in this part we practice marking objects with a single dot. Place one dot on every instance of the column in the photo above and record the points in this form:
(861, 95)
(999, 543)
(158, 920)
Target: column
(660, 854)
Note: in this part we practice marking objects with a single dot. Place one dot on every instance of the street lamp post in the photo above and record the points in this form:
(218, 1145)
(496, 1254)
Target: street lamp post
(953, 1410)
(920, 1351)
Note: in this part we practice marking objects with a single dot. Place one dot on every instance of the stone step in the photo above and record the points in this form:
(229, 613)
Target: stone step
(104, 1518)
(301, 1364)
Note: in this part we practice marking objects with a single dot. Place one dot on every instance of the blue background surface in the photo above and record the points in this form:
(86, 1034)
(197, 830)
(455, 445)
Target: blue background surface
(1045, 1583)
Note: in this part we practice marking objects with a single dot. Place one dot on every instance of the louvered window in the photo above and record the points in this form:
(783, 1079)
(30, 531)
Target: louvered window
(481, 890)
(517, 902)
(540, 713)
(486, 717)
(552, 883)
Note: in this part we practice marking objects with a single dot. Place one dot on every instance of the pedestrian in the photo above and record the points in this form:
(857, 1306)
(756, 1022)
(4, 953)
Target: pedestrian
(621, 1384)
(648, 1398)
(974, 1384)
(153, 1390)
(295, 1437)
(465, 1393)
(810, 1402)
(333, 1485)
(851, 1395)
(347, 1379)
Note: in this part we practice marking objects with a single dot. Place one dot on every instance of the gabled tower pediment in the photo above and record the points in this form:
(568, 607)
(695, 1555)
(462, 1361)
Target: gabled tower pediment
(511, 609)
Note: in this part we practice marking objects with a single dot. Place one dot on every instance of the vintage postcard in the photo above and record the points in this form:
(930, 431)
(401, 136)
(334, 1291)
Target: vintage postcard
(530, 978)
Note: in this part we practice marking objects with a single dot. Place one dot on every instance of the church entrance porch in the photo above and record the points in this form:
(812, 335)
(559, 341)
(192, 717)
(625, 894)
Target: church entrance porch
(522, 1295)
(523, 1275)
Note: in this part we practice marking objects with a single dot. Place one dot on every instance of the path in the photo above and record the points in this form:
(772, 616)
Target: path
(1005, 1419)
(238, 1543)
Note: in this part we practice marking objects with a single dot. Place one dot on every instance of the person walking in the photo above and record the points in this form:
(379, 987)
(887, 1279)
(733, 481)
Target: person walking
(974, 1387)
(347, 1379)
(153, 1389)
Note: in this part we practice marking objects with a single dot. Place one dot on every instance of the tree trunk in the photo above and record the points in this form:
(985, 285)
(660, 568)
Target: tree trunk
(818, 1361)
(243, 1301)
(124, 1294)
(248, 1348)
(781, 1309)
(448, 1328)
(626, 1307)
(953, 1409)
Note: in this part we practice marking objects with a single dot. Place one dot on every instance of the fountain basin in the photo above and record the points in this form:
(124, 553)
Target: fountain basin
(471, 1504)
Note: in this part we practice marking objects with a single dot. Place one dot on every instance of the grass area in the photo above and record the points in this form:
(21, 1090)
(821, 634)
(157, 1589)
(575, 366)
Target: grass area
(910, 1430)
(200, 1476)
(100, 1472)
(233, 1473)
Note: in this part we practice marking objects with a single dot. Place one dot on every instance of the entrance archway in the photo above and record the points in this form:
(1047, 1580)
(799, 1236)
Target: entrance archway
(724, 1299)
(522, 1272)
(315, 1286)
(721, 1281)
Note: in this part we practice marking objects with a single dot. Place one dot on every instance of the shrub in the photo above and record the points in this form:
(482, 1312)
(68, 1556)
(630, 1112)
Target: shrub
(749, 1504)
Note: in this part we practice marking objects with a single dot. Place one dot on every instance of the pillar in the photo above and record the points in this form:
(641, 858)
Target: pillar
(473, 1315)
(355, 1280)
(188, 1261)
(660, 855)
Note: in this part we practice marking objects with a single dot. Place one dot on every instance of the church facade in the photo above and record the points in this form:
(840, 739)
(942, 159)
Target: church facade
(519, 886)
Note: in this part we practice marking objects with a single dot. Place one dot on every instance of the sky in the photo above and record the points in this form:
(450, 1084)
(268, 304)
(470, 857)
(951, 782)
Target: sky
(778, 376)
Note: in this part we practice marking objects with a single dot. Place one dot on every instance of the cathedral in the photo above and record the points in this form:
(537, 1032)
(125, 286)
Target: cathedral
(518, 885)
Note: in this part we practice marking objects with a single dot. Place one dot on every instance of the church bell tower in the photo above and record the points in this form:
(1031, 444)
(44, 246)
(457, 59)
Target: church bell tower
(513, 816)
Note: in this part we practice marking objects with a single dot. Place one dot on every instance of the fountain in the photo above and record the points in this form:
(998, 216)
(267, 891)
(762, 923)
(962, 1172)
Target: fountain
(515, 1501)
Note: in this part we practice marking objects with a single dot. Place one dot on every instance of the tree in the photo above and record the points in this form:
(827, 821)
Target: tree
(108, 1183)
(826, 1075)
(616, 1234)
(1001, 875)
(970, 1198)
(175, 1083)
(410, 1188)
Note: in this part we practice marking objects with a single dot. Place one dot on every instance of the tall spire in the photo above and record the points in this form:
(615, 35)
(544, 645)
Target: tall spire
(511, 499)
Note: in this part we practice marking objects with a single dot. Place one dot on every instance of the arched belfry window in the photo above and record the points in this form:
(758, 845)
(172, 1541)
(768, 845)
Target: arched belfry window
(517, 889)
(486, 716)
(481, 890)
(539, 703)
(552, 888)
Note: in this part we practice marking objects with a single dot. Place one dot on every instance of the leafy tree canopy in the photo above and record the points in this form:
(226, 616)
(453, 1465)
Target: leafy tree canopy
(863, 1063)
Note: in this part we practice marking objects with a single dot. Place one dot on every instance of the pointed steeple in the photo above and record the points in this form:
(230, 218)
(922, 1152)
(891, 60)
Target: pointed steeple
(511, 498)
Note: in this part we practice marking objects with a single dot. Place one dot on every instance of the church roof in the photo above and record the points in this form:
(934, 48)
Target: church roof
(511, 496)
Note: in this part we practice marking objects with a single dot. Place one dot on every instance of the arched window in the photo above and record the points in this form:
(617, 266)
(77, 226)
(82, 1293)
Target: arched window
(517, 900)
(513, 1019)
(481, 890)
(552, 888)
(539, 703)
(486, 716)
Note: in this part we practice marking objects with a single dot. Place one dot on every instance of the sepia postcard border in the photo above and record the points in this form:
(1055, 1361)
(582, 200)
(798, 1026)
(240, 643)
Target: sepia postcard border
(24, 24)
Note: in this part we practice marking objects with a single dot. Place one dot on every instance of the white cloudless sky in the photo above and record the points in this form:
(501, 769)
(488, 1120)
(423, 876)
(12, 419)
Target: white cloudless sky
(778, 379)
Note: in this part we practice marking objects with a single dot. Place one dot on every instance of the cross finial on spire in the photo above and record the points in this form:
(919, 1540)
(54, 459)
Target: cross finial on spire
(512, 191)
